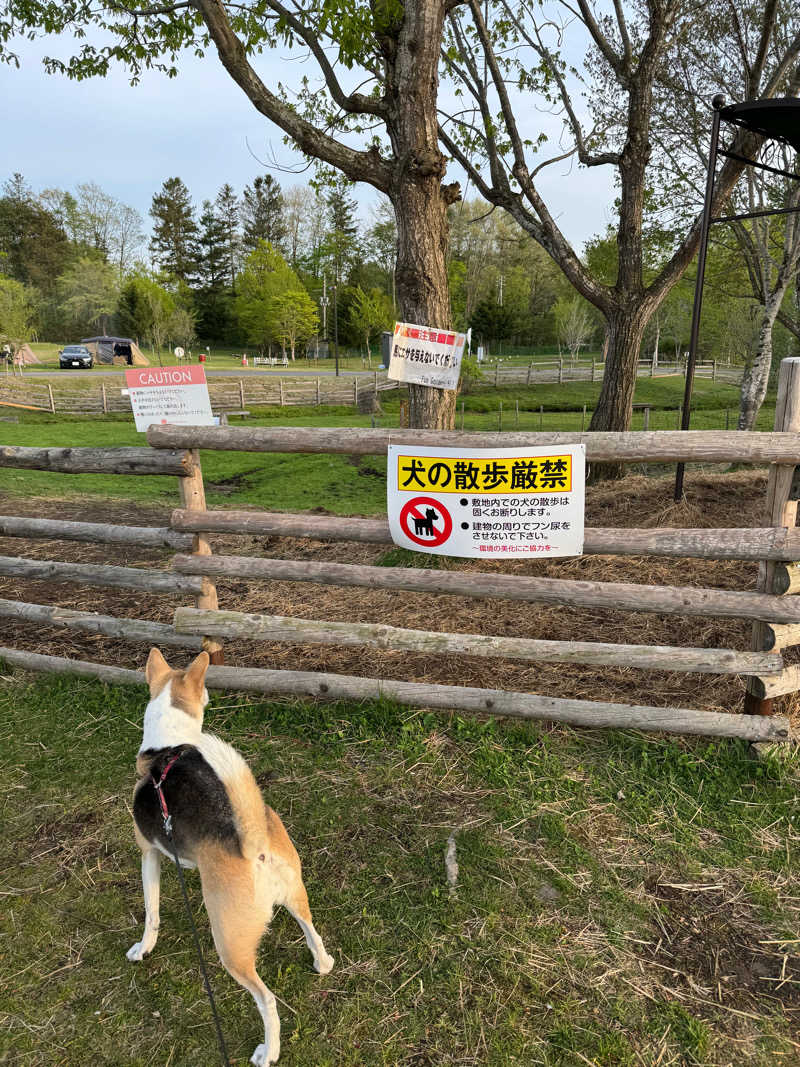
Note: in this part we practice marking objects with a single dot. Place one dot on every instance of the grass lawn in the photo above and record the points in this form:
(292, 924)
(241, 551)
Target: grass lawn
(341, 485)
(621, 900)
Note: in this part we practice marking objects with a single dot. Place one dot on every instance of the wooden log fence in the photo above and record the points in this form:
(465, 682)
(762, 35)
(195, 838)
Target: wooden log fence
(94, 533)
(183, 464)
(607, 596)
(732, 543)
(225, 394)
(657, 446)
(146, 581)
(174, 451)
(140, 631)
(175, 463)
(495, 702)
(280, 628)
(783, 491)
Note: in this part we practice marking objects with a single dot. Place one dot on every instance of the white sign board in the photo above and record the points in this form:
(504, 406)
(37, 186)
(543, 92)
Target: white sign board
(178, 395)
(487, 503)
(426, 356)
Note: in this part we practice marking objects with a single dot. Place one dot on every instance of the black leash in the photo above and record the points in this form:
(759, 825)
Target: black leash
(168, 832)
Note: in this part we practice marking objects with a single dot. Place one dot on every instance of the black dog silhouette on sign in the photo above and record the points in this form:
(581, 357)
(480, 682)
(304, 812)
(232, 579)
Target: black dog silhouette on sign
(425, 526)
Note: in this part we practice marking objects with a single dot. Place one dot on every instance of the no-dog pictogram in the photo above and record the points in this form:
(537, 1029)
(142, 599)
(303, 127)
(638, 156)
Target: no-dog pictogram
(426, 522)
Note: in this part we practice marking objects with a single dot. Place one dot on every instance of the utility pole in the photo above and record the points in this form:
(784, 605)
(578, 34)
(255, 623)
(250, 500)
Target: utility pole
(324, 305)
(335, 330)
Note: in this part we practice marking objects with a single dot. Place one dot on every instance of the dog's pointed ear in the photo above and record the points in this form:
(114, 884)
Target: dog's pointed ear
(155, 669)
(195, 675)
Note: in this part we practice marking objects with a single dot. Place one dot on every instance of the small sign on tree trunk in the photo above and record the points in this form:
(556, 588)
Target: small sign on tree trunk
(426, 356)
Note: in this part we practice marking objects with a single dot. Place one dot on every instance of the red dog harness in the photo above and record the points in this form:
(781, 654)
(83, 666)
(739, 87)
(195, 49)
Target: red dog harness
(157, 785)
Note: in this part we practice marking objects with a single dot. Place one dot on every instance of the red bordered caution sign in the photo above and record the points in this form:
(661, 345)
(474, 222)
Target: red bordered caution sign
(426, 521)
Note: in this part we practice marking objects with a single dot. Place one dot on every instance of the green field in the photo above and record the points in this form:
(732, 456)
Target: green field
(341, 485)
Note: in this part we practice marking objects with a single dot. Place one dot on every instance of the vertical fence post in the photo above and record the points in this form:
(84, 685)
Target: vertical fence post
(355, 390)
(541, 417)
(516, 414)
(105, 398)
(713, 370)
(193, 498)
(583, 419)
(592, 368)
(680, 415)
(500, 416)
(560, 371)
(646, 418)
(528, 378)
(241, 393)
(280, 384)
(52, 401)
(780, 510)
(496, 373)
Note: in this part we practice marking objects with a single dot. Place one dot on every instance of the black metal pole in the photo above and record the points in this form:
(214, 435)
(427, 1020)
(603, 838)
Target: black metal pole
(717, 103)
(335, 330)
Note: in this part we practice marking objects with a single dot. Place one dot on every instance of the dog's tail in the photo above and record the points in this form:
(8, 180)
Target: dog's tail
(249, 811)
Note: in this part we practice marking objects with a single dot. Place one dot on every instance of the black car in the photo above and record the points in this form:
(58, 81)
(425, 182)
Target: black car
(75, 356)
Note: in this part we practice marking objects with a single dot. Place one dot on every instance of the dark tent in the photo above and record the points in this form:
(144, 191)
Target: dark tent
(120, 350)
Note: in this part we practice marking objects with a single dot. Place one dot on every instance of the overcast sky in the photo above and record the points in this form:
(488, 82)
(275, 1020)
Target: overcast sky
(201, 127)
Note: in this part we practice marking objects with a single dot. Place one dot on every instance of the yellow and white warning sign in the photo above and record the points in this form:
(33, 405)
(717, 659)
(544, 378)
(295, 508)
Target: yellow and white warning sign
(480, 502)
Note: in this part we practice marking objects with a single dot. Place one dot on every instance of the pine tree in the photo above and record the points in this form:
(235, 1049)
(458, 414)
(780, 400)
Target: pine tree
(340, 240)
(213, 247)
(227, 209)
(263, 214)
(174, 240)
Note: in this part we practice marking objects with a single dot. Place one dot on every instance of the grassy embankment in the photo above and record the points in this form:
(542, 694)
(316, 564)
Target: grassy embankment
(621, 901)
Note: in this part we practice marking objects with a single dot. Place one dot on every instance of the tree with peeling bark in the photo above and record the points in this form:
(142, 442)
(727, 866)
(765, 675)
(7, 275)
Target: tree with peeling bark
(720, 59)
(388, 49)
(772, 253)
(501, 55)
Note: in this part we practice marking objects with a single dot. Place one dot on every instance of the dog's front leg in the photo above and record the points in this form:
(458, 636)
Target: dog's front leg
(151, 884)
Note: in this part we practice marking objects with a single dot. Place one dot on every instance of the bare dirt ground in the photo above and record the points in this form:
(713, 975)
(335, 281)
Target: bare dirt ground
(718, 500)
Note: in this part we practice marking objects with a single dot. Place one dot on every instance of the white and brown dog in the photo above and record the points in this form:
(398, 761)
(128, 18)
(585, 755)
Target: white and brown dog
(220, 824)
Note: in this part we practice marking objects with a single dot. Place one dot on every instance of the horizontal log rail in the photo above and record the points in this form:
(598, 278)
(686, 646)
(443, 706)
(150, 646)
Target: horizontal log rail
(665, 446)
(618, 596)
(493, 702)
(93, 532)
(758, 543)
(237, 624)
(133, 460)
(149, 581)
(134, 630)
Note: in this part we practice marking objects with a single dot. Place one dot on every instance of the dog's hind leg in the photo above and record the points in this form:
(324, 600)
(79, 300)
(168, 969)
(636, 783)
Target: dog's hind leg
(151, 884)
(238, 917)
(297, 906)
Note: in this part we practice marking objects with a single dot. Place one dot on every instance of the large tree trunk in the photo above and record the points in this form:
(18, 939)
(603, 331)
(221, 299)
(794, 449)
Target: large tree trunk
(419, 199)
(422, 289)
(625, 328)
